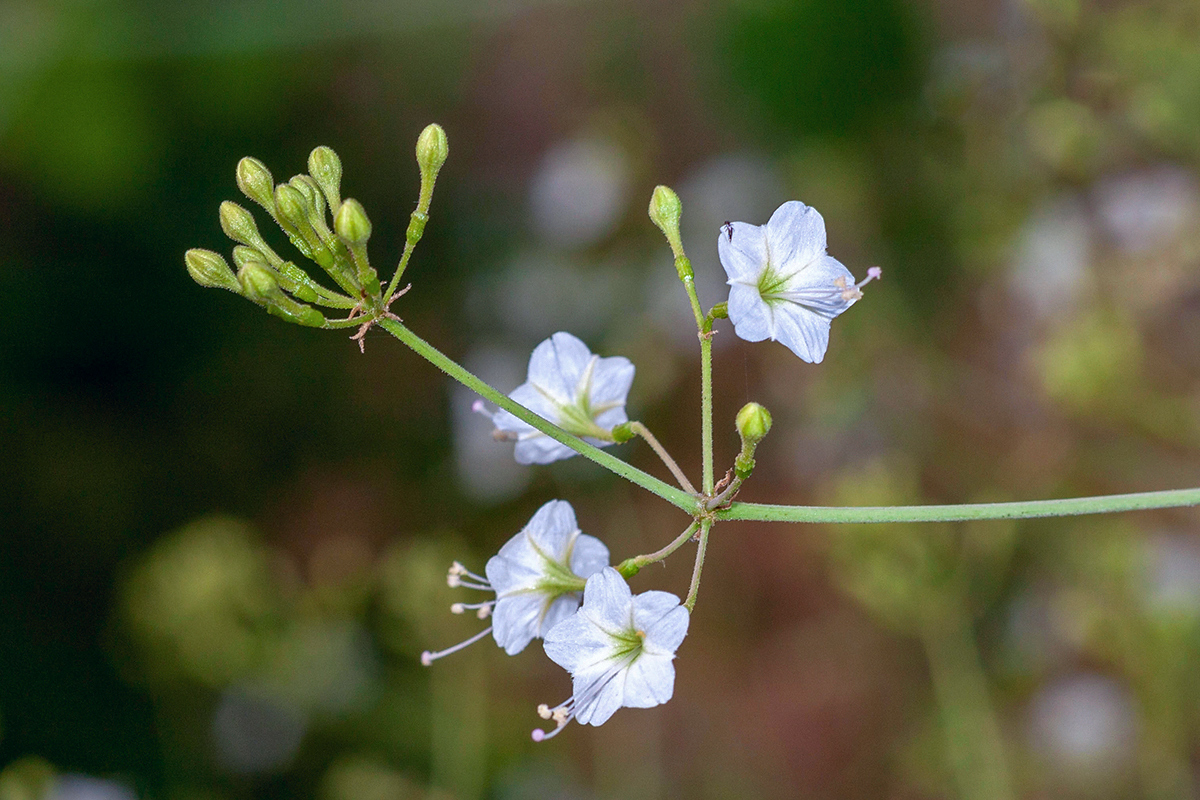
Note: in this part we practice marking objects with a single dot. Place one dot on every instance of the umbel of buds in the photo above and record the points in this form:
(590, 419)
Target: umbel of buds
(325, 229)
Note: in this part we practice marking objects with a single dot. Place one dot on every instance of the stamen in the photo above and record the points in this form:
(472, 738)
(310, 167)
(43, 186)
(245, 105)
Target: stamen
(480, 407)
(428, 657)
(482, 610)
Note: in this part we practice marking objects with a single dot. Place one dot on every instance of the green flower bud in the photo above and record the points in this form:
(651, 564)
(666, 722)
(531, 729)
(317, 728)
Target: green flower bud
(351, 222)
(432, 150)
(258, 283)
(312, 194)
(238, 224)
(255, 181)
(243, 255)
(261, 286)
(665, 210)
(326, 169)
(623, 432)
(720, 311)
(292, 205)
(210, 269)
(753, 423)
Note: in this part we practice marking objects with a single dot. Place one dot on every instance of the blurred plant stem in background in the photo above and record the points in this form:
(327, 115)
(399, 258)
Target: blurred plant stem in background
(973, 739)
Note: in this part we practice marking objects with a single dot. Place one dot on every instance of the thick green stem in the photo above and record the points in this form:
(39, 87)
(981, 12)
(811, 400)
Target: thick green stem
(632, 566)
(973, 742)
(1074, 506)
(447, 365)
(705, 527)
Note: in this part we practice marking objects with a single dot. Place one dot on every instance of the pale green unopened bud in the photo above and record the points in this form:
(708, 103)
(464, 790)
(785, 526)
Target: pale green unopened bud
(261, 286)
(292, 205)
(753, 423)
(255, 181)
(258, 282)
(210, 269)
(432, 150)
(326, 169)
(243, 255)
(623, 432)
(665, 210)
(351, 222)
(312, 194)
(238, 224)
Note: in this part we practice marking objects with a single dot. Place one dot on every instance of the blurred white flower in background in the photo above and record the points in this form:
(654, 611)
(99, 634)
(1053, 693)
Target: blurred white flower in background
(1148, 209)
(486, 472)
(1051, 268)
(1085, 727)
(84, 787)
(580, 191)
(1172, 576)
(254, 733)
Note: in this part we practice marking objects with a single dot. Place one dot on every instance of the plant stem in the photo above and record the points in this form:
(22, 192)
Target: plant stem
(705, 527)
(631, 566)
(1171, 498)
(447, 365)
(706, 426)
(973, 742)
(644, 432)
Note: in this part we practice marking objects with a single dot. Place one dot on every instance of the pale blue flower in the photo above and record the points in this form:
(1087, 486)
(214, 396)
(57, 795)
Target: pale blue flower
(783, 286)
(619, 650)
(579, 392)
(537, 577)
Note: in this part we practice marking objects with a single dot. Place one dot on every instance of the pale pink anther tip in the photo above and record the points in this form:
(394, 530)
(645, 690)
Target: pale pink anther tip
(875, 272)
(538, 734)
(477, 406)
(426, 658)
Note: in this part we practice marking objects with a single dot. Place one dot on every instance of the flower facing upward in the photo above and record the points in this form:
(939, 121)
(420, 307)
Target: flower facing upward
(579, 392)
(618, 649)
(537, 577)
(783, 286)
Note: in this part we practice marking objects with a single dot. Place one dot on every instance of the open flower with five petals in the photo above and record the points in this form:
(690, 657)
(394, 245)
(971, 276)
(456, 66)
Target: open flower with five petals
(568, 385)
(619, 650)
(537, 576)
(783, 286)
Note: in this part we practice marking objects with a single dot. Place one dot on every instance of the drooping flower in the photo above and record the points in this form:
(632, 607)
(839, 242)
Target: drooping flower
(537, 577)
(618, 649)
(579, 392)
(783, 286)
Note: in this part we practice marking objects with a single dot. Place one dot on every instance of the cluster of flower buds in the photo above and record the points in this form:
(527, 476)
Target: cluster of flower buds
(328, 230)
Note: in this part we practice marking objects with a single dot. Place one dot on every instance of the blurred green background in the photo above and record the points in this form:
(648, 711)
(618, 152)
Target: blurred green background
(225, 538)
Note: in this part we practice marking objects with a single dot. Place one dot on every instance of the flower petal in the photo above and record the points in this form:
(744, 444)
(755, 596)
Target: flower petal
(576, 644)
(744, 255)
(515, 621)
(589, 556)
(557, 363)
(821, 287)
(805, 332)
(560, 609)
(649, 681)
(596, 710)
(795, 236)
(540, 449)
(650, 607)
(552, 529)
(607, 601)
(751, 317)
(665, 635)
(611, 380)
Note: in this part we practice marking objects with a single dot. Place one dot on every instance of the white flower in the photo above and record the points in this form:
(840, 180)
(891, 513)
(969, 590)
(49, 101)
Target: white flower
(783, 286)
(579, 392)
(537, 577)
(618, 649)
